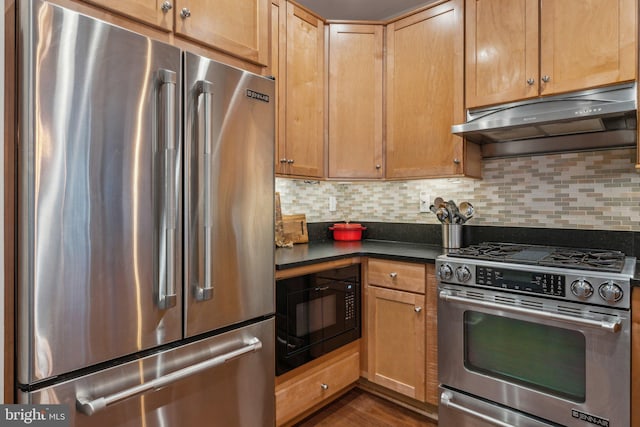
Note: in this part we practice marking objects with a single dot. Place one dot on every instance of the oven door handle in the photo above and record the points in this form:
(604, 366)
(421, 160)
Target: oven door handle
(446, 399)
(611, 326)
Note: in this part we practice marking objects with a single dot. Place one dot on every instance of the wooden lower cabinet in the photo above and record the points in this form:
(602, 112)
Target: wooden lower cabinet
(401, 328)
(398, 351)
(396, 340)
(300, 392)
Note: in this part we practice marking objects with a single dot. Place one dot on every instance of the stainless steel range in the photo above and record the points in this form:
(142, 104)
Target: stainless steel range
(534, 336)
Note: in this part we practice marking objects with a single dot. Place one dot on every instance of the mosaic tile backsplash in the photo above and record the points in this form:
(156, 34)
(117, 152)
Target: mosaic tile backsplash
(590, 190)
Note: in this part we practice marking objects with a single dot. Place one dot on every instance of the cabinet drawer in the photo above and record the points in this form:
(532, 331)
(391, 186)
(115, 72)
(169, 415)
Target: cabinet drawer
(294, 399)
(397, 275)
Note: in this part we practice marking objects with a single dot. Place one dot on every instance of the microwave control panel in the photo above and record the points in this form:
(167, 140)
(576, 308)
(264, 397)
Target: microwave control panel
(349, 305)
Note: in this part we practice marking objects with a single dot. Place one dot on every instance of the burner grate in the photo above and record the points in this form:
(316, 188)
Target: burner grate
(586, 259)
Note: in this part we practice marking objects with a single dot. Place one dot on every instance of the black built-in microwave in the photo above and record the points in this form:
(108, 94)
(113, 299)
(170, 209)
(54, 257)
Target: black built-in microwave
(315, 314)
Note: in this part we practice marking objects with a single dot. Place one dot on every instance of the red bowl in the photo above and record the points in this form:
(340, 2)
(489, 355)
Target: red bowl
(347, 231)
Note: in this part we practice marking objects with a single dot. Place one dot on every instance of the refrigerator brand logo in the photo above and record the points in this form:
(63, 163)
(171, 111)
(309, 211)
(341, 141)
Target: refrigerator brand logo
(35, 415)
(590, 418)
(257, 95)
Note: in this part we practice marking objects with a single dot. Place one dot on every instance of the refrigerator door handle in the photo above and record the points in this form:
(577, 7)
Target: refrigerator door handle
(166, 274)
(204, 291)
(89, 406)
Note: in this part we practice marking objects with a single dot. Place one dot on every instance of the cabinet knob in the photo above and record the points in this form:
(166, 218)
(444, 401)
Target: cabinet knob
(546, 79)
(166, 6)
(185, 13)
(530, 81)
(324, 386)
(393, 275)
(378, 166)
(417, 309)
(290, 161)
(283, 160)
(456, 161)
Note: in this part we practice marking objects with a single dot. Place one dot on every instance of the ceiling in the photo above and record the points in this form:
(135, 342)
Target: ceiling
(361, 10)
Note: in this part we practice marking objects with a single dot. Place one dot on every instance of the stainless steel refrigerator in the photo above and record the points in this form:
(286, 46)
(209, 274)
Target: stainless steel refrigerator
(145, 291)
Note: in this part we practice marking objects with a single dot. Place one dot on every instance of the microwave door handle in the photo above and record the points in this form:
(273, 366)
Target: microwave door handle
(204, 291)
(446, 399)
(612, 326)
(166, 274)
(90, 406)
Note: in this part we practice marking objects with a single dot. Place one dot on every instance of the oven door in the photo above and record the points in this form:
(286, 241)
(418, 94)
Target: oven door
(563, 362)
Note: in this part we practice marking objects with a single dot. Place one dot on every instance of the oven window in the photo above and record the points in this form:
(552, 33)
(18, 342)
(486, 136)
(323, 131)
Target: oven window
(541, 357)
(315, 314)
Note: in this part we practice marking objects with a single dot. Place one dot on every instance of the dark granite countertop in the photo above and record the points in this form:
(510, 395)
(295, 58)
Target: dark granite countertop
(329, 250)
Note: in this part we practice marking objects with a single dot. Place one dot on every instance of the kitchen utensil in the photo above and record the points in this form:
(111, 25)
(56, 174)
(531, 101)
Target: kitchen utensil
(347, 232)
(467, 209)
(432, 208)
(443, 215)
(452, 209)
(438, 202)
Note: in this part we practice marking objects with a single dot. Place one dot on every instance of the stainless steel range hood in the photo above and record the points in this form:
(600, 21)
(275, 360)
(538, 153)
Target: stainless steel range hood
(586, 120)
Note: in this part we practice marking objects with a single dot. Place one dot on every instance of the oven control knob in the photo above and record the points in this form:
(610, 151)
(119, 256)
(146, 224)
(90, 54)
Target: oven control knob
(581, 288)
(445, 272)
(610, 292)
(463, 274)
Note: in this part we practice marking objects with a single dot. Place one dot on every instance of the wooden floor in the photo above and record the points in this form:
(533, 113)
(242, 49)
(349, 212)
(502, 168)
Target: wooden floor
(359, 408)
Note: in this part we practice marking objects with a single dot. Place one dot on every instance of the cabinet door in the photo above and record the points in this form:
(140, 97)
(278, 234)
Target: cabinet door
(396, 340)
(238, 27)
(586, 43)
(277, 63)
(355, 101)
(304, 98)
(158, 13)
(501, 51)
(425, 86)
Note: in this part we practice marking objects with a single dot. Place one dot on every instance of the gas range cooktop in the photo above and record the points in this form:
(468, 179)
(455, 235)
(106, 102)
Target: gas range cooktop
(575, 258)
(591, 276)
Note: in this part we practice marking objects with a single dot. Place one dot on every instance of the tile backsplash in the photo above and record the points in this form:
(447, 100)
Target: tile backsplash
(597, 190)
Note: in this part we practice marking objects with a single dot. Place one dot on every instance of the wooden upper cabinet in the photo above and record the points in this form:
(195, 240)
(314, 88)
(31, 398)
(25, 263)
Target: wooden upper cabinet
(502, 51)
(586, 43)
(425, 85)
(302, 151)
(158, 13)
(238, 27)
(519, 49)
(278, 29)
(355, 101)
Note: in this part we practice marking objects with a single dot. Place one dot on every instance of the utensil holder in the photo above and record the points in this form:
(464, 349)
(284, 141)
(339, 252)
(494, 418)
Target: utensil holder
(451, 236)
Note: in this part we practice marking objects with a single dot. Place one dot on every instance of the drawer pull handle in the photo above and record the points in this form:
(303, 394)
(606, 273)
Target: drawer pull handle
(393, 275)
(324, 386)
